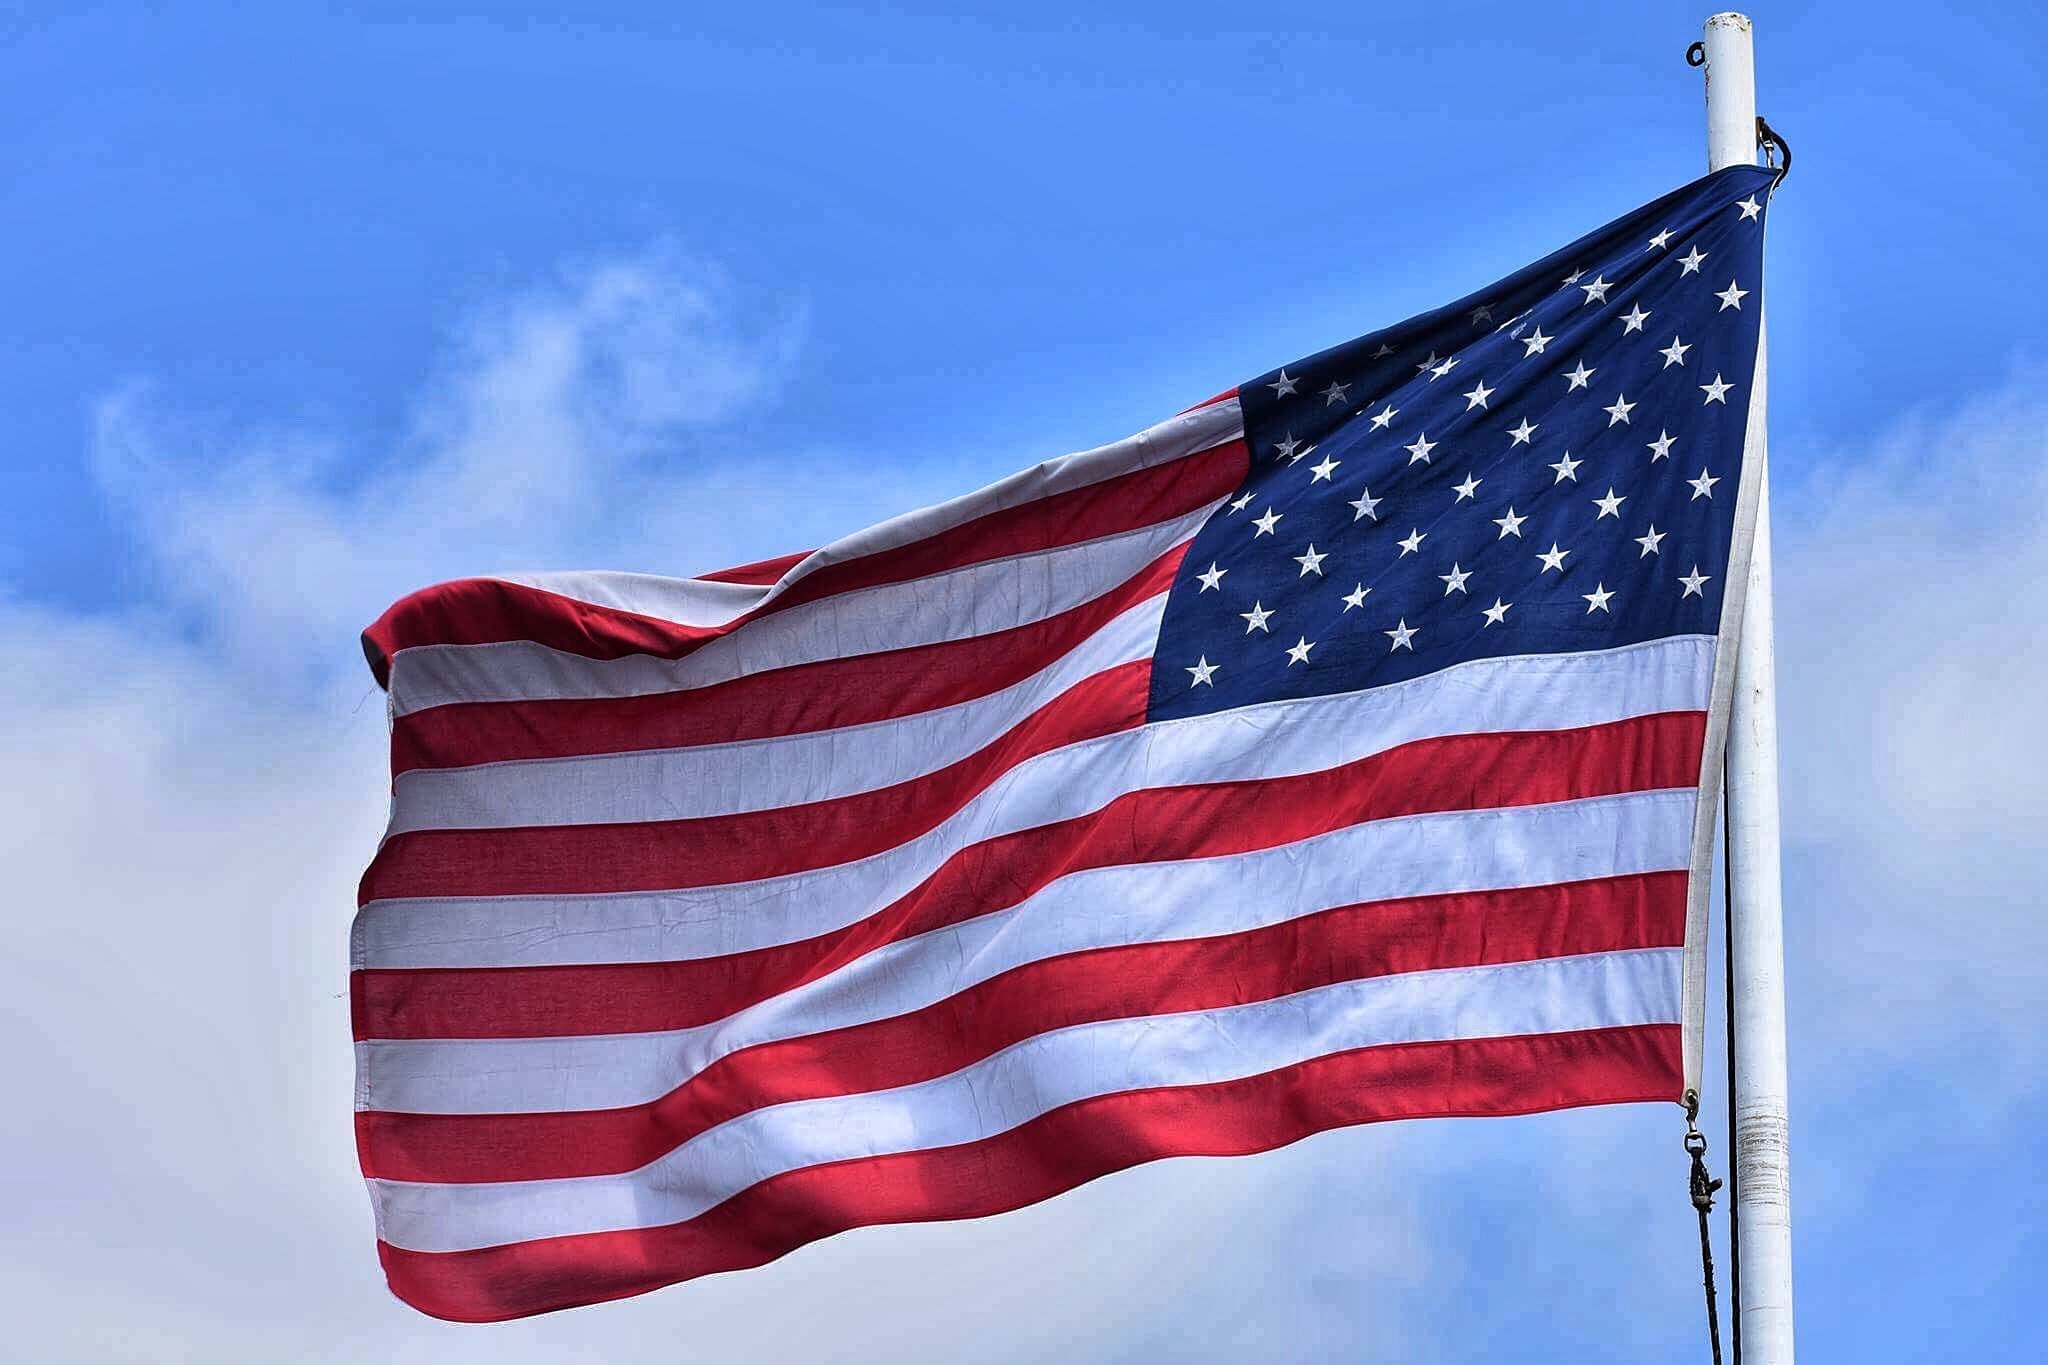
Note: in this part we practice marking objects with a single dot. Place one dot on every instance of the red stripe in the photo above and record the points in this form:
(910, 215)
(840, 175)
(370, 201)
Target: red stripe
(786, 701)
(473, 611)
(1459, 772)
(581, 859)
(1211, 402)
(1344, 944)
(1053, 1153)
(761, 572)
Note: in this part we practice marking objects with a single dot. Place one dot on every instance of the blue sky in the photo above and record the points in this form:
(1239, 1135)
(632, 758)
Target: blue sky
(309, 309)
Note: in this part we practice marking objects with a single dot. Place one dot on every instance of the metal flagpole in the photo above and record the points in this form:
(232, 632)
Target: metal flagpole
(1756, 933)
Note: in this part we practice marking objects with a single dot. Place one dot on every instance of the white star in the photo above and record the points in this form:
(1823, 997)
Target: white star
(1620, 410)
(1731, 297)
(1203, 671)
(1356, 597)
(1497, 613)
(1694, 581)
(1553, 558)
(1567, 468)
(1522, 433)
(1322, 470)
(1238, 504)
(1661, 447)
(1401, 635)
(1690, 262)
(1384, 416)
(1702, 487)
(1419, 451)
(1366, 506)
(1311, 563)
(1659, 242)
(1297, 653)
(1534, 343)
(1633, 320)
(1414, 541)
(1334, 395)
(1510, 525)
(1597, 290)
(1575, 277)
(1454, 581)
(1578, 378)
(1256, 619)
(1284, 385)
(1285, 449)
(1750, 208)
(1443, 367)
(1651, 541)
(1674, 354)
(1476, 396)
(1716, 392)
(1468, 488)
(1425, 365)
(1266, 523)
(1596, 600)
(1383, 352)
(1213, 579)
(1483, 313)
(1610, 506)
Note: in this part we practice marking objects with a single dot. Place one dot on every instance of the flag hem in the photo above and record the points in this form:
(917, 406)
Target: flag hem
(1720, 704)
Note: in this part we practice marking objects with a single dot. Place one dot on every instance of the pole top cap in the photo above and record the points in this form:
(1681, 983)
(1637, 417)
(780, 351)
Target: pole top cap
(1729, 19)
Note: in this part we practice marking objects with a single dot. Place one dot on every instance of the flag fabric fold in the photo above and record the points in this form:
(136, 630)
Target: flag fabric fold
(1340, 750)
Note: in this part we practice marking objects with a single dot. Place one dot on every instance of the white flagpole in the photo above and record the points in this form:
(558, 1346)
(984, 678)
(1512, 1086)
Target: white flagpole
(1757, 935)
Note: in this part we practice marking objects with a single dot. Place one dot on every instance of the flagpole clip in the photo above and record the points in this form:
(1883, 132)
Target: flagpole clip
(1703, 1185)
(1777, 154)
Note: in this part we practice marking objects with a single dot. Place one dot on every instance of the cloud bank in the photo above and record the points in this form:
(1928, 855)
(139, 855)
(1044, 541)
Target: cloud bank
(196, 780)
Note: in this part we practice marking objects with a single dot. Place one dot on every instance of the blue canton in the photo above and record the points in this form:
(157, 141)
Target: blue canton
(1549, 465)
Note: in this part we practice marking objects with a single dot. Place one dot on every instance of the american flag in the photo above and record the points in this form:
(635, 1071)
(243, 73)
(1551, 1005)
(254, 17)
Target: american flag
(1339, 750)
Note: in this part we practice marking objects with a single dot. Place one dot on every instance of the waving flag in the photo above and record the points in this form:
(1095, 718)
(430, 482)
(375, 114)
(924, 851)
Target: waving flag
(1339, 750)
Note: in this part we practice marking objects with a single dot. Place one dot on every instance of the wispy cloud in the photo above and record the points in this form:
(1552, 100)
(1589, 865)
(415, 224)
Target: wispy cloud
(548, 425)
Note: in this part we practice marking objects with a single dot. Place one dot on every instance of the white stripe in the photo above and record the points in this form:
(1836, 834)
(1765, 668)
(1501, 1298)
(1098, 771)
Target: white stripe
(979, 599)
(1603, 990)
(701, 602)
(1415, 855)
(1274, 739)
(698, 602)
(756, 774)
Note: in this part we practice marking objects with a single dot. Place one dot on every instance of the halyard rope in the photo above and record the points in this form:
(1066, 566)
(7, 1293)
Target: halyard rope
(1703, 1187)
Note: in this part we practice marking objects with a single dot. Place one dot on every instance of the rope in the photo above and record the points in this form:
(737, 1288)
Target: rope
(1702, 1187)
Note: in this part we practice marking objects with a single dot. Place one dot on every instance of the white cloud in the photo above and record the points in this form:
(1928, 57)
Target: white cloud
(1914, 722)
(207, 783)
(1911, 590)
(196, 783)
